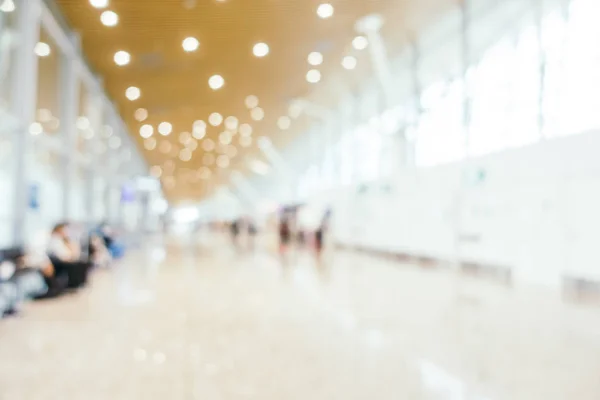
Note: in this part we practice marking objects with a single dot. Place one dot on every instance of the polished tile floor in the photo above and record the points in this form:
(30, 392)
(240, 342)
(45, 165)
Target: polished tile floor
(205, 321)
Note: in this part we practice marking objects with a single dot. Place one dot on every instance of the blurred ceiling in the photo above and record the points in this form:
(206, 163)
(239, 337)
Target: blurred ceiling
(174, 83)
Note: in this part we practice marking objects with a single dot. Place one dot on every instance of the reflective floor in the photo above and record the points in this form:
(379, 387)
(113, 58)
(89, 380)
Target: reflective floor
(205, 321)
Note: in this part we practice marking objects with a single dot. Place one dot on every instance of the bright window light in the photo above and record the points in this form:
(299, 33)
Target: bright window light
(35, 129)
(7, 6)
(122, 58)
(325, 11)
(186, 214)
(109, 18)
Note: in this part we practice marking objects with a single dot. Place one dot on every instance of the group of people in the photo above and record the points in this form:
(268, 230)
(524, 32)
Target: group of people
(49, 266)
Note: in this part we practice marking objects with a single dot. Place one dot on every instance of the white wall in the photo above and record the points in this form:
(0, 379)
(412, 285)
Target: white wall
(536, 211)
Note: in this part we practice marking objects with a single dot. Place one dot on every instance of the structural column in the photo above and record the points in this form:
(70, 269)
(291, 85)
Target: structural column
(69, 109)
(465, 62)
(95, 109)
(24, 89)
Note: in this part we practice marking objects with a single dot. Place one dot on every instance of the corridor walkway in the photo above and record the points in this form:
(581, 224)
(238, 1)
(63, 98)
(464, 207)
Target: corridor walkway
(191, 322)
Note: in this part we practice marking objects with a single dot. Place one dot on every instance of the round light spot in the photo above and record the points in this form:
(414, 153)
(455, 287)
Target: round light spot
(325, 11)
(245, 130)
(260, 49)
(216, 82)
(190, 44)
(257, 114)
(315, 58)
(165, 128)
(7, 6)
(215, 119)
(42, 49)
(141, 114)
(150, 144)
(122, 58)
(246, 141)
(133, 93)
(208, 159)
(284, 123)
(184, 137)
(349, 62)
(192, 144)
(82, 123)
(99, 3)
(231, 123)
(146, 131)
(185, 154)
(251, 101)
(109, 18)
(222, 161)
(204, 172)
(36, 128)
(231, 151)
(313, 76)
(360, 43)
(208, 145)
(165, 147)
(225, 137)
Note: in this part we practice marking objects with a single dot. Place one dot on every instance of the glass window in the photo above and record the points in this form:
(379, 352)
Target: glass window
(48, 91)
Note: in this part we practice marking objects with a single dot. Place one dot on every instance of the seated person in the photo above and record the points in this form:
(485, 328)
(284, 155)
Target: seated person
(115, 248)
(17, 282)
(99, 254)
(65, 256)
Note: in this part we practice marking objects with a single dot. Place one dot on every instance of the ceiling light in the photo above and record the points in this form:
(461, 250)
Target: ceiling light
(360, 43)
(42, 49)
(245, 130)
(82, 123)
(215, 119)
(199, 124)
(7, 6)
(199, 134)
(231, 123)
(284, 123)
(165, 146)
(156, 171)
(325, 10)
(257, 114)
(133, 93)
(185, 154)
(36, 128)
(216, 82)
(150, 144)
(184, 137)
(222, 161)
(190, 44)
(295, 109)
(141, 114)
(99, 3)
(246, 141)
(208, 145)
(260, 49)
(208, 159)
(313, 76)
(349, 62)
(165, 128)
(114, 142)
(315, 58)
(225, 137)
(251, 101)
(109, 18)
(146, 131)
(122, 58)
